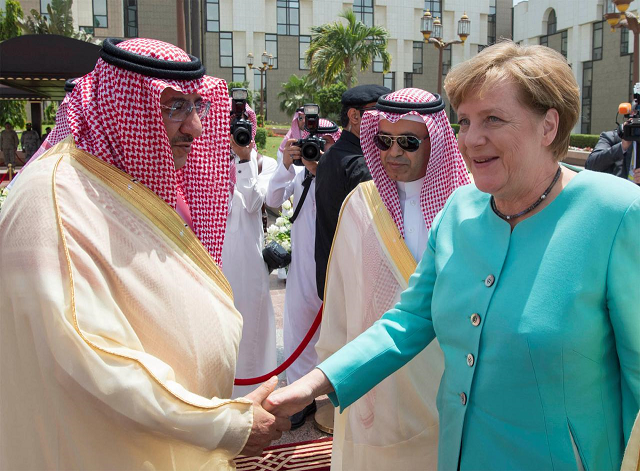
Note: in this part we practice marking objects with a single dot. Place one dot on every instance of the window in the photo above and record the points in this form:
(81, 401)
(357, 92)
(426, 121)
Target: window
(288, 14)
(587, 76)
(552, 23)
(417, 57)
(624, 41)
(491, 23)
(446, 60)
(87, 29)
(364, 11)
(226, 49)
(130, 18)
(564, 43)
(239, 74)
(435, 7)
(43, 8)
(213, 16)
(597, 41)
(271, 46)
(389, 80)
(377, 64)
(408, 80)
(100, 19)
(305, 41)
(481, 47)
(544, 40)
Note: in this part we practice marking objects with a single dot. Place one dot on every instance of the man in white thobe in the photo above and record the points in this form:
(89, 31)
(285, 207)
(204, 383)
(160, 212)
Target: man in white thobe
(382, 232)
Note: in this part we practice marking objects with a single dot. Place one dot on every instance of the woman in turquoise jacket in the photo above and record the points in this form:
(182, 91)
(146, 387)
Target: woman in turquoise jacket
(530, 281)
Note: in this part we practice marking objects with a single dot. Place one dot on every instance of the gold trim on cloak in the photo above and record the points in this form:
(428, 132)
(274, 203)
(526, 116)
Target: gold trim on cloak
(391, 237)
(394, 242)
(158, 212)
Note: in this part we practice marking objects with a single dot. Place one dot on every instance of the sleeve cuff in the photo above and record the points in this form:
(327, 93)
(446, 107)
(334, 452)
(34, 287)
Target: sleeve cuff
(246, 171)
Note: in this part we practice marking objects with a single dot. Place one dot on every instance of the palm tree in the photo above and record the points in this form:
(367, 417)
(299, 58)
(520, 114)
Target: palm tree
(336, 49)
(295, 93)
(58, 20)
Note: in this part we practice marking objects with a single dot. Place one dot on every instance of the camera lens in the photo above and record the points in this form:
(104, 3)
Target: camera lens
(242, 137)
(310, 151)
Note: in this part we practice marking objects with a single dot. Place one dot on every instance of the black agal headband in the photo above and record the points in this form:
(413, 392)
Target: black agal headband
(149, 66)
(328, 129)
(403, 107)
(69, 84)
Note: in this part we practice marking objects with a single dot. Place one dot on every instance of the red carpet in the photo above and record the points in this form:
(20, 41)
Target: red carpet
(308, 456)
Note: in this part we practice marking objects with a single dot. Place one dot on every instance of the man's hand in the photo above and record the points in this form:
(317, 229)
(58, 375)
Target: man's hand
(636, 175)
(290, 153)
(293, 398)
(244, 153)
(266, 427)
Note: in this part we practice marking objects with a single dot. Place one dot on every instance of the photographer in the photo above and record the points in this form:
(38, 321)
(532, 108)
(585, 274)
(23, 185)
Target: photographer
(616, 156)
(301, 302)
(242, 261)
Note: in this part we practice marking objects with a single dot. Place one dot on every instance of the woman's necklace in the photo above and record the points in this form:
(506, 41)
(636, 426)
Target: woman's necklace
(530, 208)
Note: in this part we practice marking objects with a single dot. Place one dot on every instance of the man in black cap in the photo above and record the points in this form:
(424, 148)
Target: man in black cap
(340, 170)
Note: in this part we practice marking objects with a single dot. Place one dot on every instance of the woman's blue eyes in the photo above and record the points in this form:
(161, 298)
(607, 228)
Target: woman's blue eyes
(491, 119)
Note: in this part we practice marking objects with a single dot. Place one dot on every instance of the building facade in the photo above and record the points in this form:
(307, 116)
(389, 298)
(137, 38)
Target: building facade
(223, 32)
(601, 59)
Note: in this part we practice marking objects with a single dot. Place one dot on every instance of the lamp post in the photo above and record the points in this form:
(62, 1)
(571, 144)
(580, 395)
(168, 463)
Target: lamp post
(431, 30)
(267, 64)
(624, 19)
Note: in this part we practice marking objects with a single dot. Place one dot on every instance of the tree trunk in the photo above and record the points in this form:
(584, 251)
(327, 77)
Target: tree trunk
(347, 67)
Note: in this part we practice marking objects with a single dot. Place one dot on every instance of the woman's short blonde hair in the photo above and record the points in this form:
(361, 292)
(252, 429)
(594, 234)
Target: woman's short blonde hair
(541, 74)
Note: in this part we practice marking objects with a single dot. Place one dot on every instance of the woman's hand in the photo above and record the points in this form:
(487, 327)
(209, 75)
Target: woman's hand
(286, 401)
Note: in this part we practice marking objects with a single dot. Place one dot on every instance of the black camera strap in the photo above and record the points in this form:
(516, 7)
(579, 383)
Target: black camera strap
(306, 183)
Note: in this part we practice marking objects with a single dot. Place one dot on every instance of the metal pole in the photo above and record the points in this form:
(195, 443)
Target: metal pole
(261, 91)
(440, 69)
(636, 46)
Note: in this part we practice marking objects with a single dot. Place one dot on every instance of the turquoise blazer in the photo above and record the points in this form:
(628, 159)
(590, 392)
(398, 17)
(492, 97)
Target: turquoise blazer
(540, 329)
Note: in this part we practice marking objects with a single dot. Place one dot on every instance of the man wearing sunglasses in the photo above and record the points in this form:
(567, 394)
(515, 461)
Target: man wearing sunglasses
(118, 334)
(415, 164)
(339, 171)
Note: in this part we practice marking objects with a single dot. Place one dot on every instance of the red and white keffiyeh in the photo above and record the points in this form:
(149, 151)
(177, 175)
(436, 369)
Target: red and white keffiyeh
(115, 115)
(325, 123)
(446, 170)
(294, 131)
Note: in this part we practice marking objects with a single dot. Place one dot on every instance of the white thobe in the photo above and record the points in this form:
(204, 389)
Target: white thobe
(301, 302)
(415, 229)
(244, 267)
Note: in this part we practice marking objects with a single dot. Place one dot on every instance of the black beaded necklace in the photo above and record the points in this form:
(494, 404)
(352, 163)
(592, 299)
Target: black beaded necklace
(530, 208)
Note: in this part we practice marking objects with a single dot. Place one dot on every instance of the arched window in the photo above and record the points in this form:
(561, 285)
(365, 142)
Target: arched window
(552, 23)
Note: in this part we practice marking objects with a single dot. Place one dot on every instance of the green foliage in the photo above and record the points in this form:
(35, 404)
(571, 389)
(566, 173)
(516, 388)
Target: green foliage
(261, 138)
(251, 96)
(583, 140)
(328, 98)
(295, 92)
(59, 21)
(9, 27)
(50, 113)
(260, 120)
(13, 111)
(337, 49)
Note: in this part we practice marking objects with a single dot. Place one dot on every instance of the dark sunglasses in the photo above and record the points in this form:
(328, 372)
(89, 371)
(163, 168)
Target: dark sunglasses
(408, 143)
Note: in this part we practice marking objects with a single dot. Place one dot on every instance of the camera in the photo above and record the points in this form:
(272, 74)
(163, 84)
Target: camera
(312, 146)
(241, 128)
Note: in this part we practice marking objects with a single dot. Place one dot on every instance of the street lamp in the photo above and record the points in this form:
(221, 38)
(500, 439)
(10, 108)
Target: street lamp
(624, 19)
(267, 64)
(432, 33)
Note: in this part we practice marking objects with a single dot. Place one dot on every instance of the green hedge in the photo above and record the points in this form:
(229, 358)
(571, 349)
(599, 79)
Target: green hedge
(261, 138)
(456, 127)
(583, 140)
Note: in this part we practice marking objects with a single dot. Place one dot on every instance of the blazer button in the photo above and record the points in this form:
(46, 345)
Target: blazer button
(475, 319)
(470, 359)
(488, 282)
(463, 399)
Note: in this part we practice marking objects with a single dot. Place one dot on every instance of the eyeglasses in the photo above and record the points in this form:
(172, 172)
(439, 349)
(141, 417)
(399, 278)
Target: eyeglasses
(408, 143)
(181, 109)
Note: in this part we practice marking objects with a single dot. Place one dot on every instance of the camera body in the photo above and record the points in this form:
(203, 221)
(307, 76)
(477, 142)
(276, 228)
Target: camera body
(241, 127)
(311, 147)
(630, 130)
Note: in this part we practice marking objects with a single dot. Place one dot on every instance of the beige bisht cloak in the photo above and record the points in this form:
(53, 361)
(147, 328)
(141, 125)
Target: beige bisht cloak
(118, 335)
(395, 425)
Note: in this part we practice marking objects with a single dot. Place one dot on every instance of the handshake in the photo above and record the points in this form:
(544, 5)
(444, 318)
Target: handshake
(272, 408)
